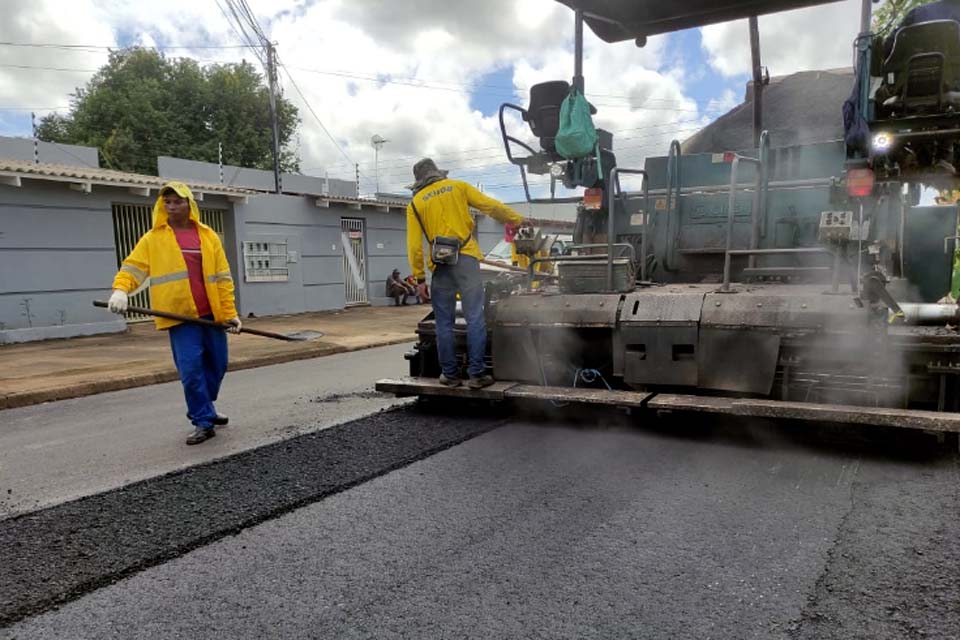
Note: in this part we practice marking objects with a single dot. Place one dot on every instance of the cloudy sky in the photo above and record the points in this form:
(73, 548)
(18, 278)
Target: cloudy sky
(427, 75)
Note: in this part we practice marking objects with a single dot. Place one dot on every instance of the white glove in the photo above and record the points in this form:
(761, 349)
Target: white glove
(118, 301)
(235, 325)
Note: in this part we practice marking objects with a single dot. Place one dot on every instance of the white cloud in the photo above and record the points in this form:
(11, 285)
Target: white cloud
(444, 47)
(815, 38)
(24, 81)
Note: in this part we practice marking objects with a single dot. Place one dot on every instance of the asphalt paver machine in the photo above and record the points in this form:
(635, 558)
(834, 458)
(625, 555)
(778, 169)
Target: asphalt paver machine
(797, 282)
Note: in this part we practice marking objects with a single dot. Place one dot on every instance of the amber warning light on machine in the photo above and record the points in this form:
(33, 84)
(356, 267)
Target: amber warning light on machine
(859, 182)
(593, 199)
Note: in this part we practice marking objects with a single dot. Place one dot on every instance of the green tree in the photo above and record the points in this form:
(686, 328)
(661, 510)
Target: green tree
(889, 14)
(141, 105)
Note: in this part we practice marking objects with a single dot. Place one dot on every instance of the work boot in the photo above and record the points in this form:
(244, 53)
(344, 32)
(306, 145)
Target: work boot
(479, 382)
(221, 420)
(201, 434)
(450, 382)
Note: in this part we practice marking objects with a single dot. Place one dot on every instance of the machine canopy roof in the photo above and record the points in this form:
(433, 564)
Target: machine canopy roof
(616, 20)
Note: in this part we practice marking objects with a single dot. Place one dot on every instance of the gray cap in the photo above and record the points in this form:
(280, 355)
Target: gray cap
(425, 172)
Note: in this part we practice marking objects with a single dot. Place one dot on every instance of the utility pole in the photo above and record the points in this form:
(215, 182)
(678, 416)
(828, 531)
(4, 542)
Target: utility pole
(758, 80)
(377, 141)
(220, 159)
(272, 77)
(357, 169)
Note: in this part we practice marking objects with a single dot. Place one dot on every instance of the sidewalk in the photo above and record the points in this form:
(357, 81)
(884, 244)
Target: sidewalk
(37, 372)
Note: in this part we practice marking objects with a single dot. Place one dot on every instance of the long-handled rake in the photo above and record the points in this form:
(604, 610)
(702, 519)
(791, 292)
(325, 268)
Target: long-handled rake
(298, 336)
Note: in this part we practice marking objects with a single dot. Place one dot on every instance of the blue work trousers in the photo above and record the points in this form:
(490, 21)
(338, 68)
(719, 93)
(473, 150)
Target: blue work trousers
(200, 354)
(448, 280)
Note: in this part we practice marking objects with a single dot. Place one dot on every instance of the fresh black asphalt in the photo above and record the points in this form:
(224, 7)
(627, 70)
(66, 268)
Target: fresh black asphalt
(521, 530)
(54, 555)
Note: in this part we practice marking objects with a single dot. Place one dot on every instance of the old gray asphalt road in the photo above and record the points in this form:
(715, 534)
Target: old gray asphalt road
(555, 532)
(62, 450)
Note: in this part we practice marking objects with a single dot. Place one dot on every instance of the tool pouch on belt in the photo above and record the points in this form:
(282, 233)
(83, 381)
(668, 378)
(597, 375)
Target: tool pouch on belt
(443, 249)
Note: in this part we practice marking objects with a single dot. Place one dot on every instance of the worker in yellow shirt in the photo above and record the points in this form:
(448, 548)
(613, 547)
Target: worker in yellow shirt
(440, 210)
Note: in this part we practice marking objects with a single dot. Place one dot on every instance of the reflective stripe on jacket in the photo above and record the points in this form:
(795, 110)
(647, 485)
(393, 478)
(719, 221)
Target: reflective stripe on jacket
(444, 208)
(158, 256)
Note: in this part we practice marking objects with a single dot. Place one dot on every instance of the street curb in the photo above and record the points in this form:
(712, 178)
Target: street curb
(79, 390)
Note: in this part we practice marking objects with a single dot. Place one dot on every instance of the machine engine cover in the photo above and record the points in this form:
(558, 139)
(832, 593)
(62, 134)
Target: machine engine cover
(656, 338)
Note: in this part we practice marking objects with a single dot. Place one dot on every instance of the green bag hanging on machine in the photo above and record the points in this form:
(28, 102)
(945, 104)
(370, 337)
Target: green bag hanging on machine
(576, 137)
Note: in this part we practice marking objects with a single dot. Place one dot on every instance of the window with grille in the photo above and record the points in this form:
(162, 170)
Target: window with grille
(265, 262)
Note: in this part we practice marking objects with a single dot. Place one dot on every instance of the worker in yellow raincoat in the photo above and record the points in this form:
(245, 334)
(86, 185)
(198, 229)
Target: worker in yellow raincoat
(189, 275)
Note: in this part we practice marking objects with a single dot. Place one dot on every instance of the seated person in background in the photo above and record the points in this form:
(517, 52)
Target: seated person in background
(423, 294)
(398, 289)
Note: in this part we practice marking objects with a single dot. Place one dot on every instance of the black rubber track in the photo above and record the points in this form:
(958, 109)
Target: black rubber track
(55, 555)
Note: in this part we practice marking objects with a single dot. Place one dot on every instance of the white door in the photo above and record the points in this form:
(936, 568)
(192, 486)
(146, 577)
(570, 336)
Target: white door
(354, 262)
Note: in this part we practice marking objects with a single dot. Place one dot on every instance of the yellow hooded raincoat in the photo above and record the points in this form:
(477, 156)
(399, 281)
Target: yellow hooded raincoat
(157, 256)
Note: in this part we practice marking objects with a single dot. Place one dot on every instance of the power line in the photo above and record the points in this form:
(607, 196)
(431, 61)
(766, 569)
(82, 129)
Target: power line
(238, 26)
(34, 108)
(26, 66)
(500, 168)
(99, 47)
(497, 150)
(314, 114)
(501, 91)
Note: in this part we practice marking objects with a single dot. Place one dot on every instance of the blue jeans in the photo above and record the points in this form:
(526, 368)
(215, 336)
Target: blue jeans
(448, 280)
(200, 354)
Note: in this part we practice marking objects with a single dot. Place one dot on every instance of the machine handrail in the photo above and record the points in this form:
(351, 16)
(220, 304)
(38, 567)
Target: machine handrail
(616, 191)
(779, 252)
(580, 258)
(604, 245)
(673, 171)
(803, 183)
(507, 139)
(521, 162)
(731, 212)
(758, 227)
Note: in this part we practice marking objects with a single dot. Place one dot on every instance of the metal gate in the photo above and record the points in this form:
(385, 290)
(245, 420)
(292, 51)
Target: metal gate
(130, 222)
(354, 262)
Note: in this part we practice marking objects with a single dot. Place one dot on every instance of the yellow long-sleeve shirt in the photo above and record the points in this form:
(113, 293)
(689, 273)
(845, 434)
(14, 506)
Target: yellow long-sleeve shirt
(444, 208)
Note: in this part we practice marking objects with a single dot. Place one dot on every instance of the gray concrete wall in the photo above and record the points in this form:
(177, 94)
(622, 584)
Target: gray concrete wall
(295, 183)
(386, 241)
(545, 211)
(180, 169)
(69, 154)
(313, 240)
(57, 255)
(490, 232)
(316, 279)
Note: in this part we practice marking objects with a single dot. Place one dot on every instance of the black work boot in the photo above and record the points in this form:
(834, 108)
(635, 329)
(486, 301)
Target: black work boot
(201, 434)
(221, 420)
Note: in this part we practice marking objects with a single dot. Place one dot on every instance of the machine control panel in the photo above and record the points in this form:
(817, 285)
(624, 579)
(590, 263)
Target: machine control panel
(837, 226)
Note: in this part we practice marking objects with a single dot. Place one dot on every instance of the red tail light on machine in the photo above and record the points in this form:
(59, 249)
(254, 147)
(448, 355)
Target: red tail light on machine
(859, 182)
